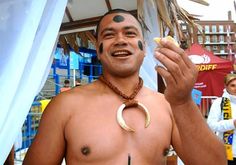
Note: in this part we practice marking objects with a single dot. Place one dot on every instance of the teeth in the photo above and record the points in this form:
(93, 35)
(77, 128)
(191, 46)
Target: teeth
(120, 53)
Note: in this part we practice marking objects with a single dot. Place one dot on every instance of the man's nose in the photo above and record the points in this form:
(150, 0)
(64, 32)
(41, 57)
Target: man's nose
(121, 40)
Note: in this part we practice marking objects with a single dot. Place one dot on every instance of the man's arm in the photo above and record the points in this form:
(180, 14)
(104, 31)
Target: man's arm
(48, 146)
(199, 145)
(193, 141)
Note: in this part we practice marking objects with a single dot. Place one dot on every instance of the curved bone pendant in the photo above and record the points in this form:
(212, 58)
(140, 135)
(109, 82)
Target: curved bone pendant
(121, 121)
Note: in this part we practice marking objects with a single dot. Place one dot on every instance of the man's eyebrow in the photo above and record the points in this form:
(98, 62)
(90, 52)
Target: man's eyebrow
(106, 29)
(131, 27)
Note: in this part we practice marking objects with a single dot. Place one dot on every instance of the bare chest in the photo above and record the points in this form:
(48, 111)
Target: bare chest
(95, 135)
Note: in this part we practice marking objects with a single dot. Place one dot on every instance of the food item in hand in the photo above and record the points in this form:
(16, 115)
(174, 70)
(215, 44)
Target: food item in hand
(157, 40)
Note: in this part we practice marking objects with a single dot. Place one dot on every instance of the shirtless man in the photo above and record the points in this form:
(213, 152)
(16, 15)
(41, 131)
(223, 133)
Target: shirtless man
(80, 125)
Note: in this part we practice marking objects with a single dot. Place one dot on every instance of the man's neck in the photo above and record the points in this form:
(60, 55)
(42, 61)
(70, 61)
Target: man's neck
(126, 85)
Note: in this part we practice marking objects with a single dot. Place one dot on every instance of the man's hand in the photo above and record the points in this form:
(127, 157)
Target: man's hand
(180, 73)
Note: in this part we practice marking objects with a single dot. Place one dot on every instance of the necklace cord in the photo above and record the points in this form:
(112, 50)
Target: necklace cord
(117, 91)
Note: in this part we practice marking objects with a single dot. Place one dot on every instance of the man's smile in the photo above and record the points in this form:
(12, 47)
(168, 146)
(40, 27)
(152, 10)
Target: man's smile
(121, 53)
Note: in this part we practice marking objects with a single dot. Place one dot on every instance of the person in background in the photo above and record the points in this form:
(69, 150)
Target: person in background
(116, 120)
(66, 86)
(78, 82)
(222, 117)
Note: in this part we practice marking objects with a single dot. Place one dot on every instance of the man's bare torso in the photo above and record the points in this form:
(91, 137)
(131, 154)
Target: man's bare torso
(93, 136)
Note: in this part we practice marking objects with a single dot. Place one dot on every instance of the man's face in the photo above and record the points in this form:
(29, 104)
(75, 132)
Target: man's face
(120, 45)
(67, 85)
(231, 87)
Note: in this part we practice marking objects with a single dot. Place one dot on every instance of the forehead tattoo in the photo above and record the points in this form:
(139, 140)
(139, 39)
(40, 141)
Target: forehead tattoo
(118, 18)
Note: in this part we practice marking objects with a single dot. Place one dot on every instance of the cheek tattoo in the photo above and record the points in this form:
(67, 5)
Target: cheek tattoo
(101, 48)
(118, 18)
(140, 45)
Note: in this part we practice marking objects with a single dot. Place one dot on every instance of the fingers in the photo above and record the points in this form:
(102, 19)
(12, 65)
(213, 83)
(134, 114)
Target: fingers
(172, 70)
(169, 45)
(179, 66)
(169, 57)
(180, 73)
(168, 78)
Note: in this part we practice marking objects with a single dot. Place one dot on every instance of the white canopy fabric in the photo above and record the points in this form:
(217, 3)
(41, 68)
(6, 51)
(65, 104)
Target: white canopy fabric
(148, 72)
(28, 31)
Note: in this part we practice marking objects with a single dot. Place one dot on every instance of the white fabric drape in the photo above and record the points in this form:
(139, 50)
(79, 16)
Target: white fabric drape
(28, 32)
(148, 73)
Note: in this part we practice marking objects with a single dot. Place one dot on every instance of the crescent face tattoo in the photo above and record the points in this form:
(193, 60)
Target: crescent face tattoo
(101, 48)
(140, 45)
(118, 18)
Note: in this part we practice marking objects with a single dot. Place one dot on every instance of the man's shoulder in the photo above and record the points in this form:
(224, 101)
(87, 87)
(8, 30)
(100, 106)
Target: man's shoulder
(84, 90)
(78, 96)
(154, 96)
(153, 93)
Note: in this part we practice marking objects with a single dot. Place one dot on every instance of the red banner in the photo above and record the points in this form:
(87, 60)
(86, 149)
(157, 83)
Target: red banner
(212, 70)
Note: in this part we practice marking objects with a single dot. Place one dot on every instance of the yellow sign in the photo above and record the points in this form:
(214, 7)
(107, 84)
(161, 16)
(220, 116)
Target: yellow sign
(206, 67)
(44, 103)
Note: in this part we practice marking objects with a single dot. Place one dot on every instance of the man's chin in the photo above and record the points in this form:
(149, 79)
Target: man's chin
(125, 73)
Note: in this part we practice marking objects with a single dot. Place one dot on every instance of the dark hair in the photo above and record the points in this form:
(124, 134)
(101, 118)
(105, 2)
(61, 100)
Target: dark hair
(111, 12)
(66, 81)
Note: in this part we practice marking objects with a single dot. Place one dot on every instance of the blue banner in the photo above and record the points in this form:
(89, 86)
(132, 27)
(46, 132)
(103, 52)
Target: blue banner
(74, 60)
(196, 95)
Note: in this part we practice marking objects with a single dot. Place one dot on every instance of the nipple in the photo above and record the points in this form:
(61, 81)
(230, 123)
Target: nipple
(85, 150)
(166, 152)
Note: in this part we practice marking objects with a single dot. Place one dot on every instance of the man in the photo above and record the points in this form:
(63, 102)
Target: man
(66, 86)
(88, 125)
(78, 82)
(222, 117)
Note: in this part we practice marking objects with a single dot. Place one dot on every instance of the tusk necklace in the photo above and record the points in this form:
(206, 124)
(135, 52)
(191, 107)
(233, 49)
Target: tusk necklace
(129, 102)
